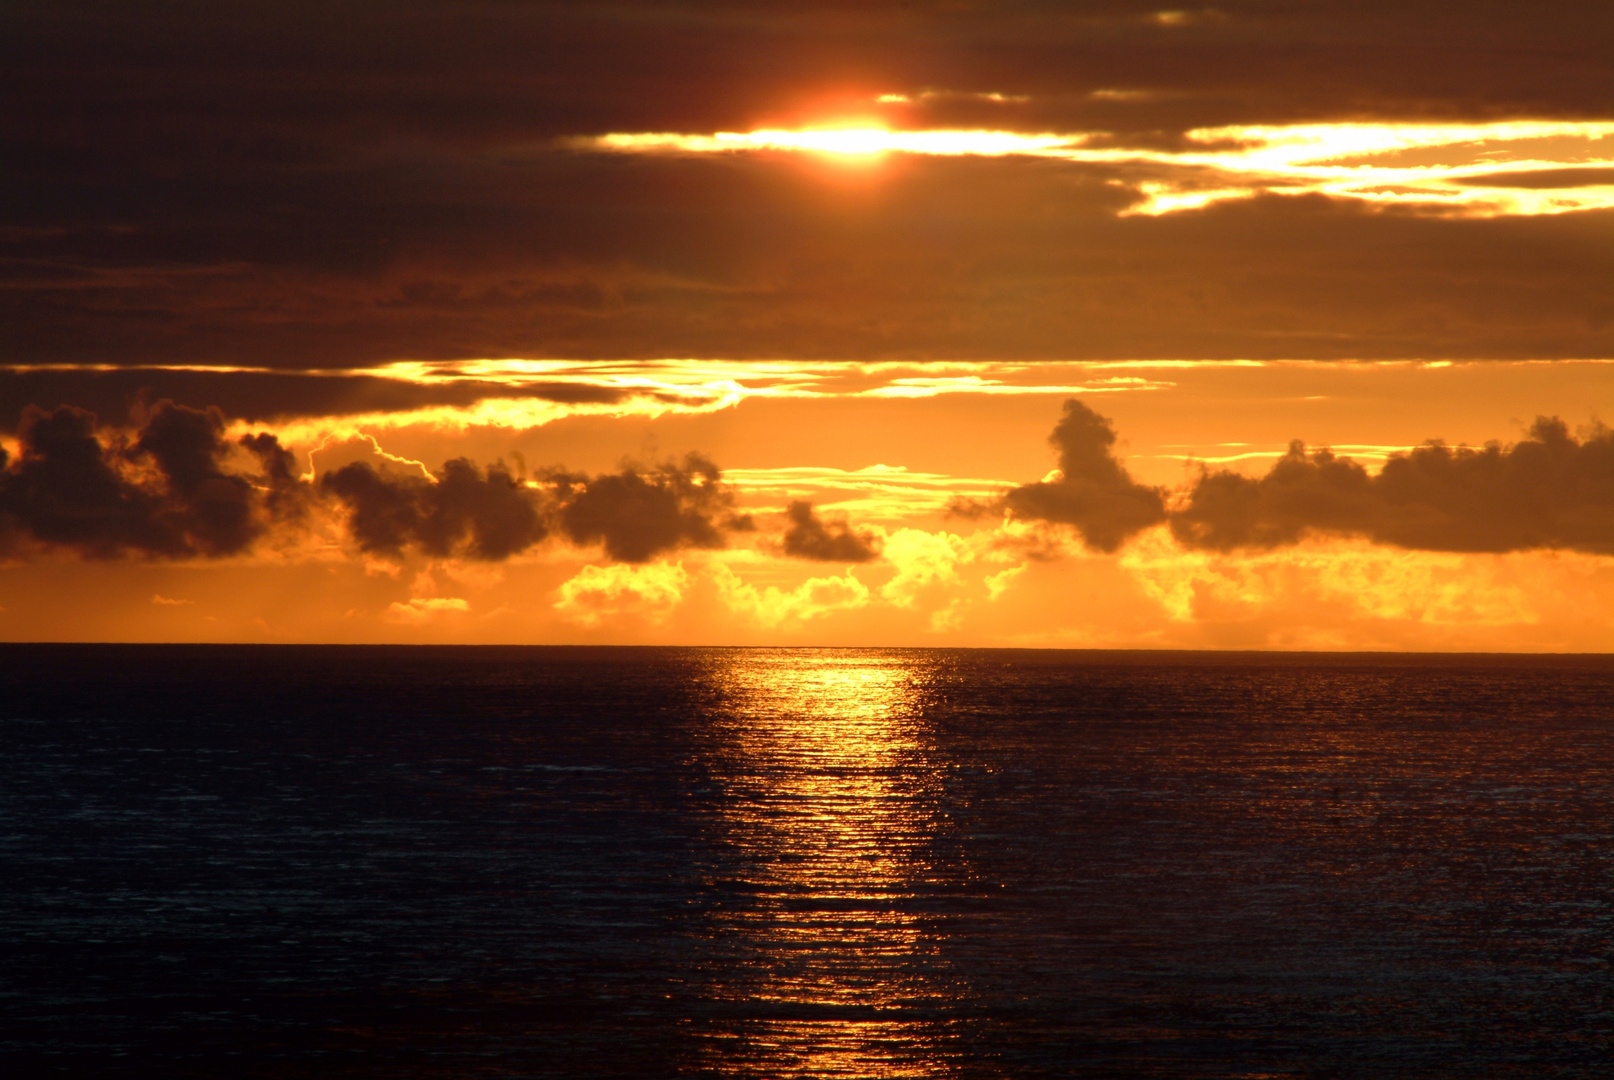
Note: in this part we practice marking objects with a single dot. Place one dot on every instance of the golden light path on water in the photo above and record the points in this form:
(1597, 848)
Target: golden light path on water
(829, 810)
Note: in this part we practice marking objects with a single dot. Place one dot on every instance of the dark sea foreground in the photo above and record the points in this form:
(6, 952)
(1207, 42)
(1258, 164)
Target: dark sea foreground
(447, 862)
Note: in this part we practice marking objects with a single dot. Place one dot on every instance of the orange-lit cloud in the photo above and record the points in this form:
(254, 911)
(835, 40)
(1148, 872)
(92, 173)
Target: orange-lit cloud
(423, 609)
(1349, 580)
(772, 606)
(599, 593)
(1414, 546)
(1524, 167)
(854, 141)
(923, 560)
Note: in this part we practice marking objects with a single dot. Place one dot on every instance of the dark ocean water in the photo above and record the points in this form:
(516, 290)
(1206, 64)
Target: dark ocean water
(568, 862)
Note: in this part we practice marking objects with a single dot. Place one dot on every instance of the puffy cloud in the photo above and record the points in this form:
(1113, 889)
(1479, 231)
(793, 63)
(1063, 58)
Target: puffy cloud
(1337, 580)
(809, 537)
(170, 492)
(1092, 491)
(466, 511)
(639, 513)
(922, 559)
(1549, 490)
(165, 495)
(998, 584)
(597, 593)
(773, 605)
(636, 514)
(285, 494)
(213, 509)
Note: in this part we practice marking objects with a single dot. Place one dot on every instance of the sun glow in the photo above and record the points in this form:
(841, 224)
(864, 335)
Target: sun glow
(1524, 167)
(848, 141)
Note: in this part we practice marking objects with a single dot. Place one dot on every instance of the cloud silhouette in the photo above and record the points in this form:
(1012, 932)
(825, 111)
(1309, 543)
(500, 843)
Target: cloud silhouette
(165, 495)
(635, 514)
(1549, 490)
(116, 396)
(809, 537)
(638, 513)
(1093, 491)
(480, 515)
(213, 509)
(64, 490)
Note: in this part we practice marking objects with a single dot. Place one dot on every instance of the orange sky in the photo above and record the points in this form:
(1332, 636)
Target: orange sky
(715, 323)
(893, 451)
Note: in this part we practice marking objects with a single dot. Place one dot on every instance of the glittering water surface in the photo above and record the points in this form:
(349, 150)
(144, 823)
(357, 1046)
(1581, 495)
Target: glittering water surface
(772, 863)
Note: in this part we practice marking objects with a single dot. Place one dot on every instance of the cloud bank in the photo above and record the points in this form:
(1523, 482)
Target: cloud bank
(178, 489)
(344, 184)
(1550, 490)
(166, 494)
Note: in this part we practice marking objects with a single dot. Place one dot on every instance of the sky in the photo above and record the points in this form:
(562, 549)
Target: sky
(1256, 325)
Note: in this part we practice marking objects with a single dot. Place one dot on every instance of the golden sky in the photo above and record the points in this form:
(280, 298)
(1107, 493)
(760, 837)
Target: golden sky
(1256, 326)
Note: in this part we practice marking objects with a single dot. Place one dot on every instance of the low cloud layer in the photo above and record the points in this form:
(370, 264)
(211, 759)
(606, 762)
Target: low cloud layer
(1550, 490)
(179, 489)
(166, 494)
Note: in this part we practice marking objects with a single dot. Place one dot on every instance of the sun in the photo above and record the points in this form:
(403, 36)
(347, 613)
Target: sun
(842, 141)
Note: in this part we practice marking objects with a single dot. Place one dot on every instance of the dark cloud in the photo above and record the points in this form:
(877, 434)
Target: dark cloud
(286, 491)
(68, 488)
(640, 513)
(1545, 178)
(464, 512)
(169, 493)
(303, 185)
(635, 514)
(594, 256)
(287, 82)
(116, 396)
(1549, 490)
(809, 537)
(64, 490)
(213, 509)
(1094, 492)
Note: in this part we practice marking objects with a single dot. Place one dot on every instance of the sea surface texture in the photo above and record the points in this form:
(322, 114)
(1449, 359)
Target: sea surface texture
(444, 862)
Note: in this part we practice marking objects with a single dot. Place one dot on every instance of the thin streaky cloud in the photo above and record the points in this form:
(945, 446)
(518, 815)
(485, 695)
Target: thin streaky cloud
(1504, 168)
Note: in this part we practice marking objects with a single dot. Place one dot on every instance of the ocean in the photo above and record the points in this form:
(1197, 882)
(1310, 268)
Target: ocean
(572, 862)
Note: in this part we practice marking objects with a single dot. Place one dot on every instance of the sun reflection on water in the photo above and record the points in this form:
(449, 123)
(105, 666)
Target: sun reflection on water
(829, 811)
